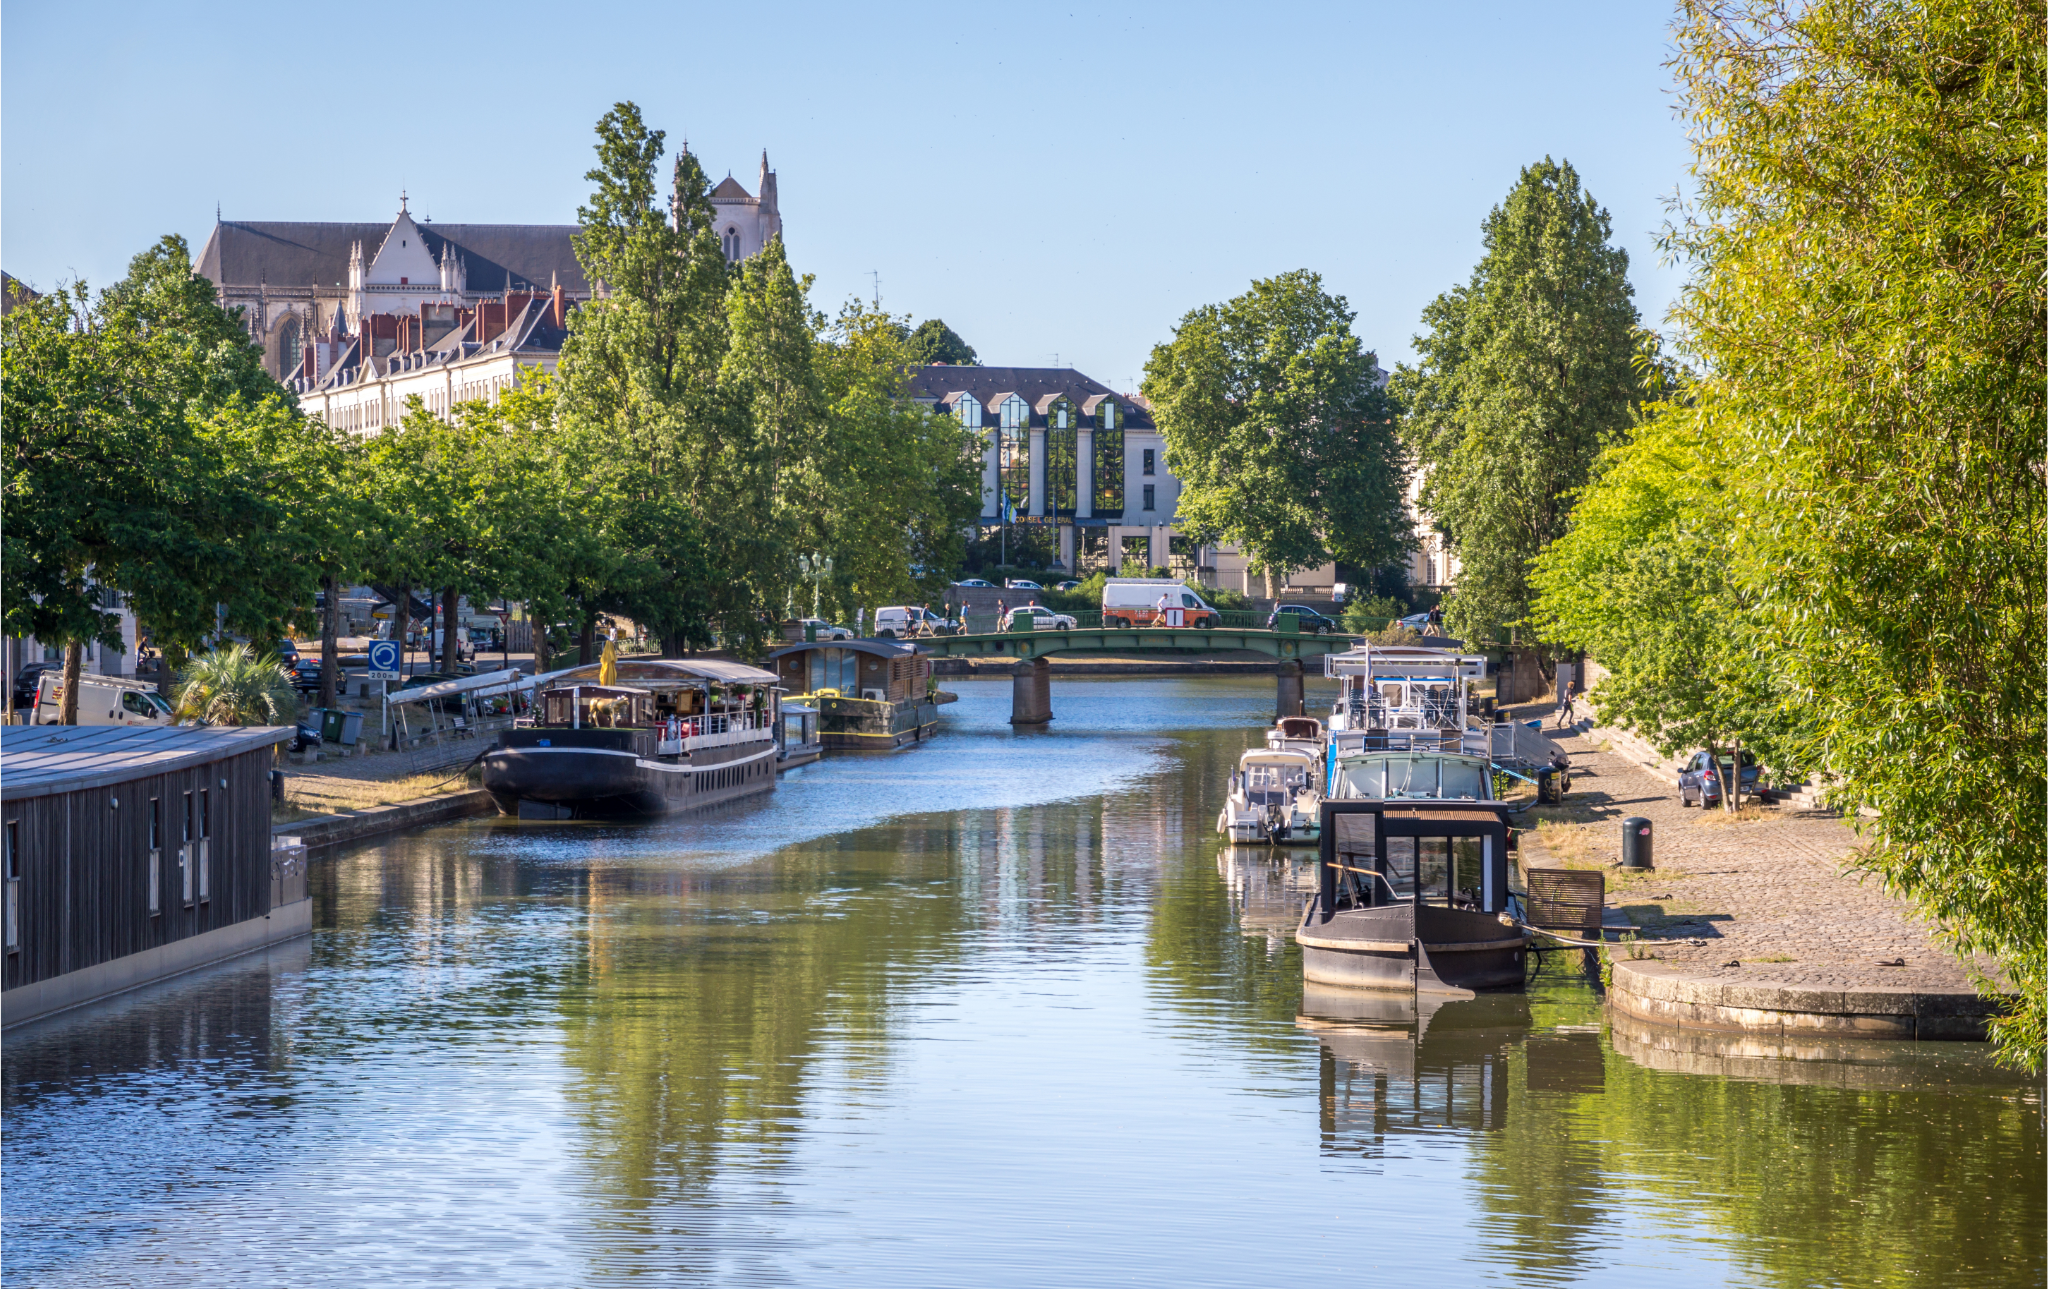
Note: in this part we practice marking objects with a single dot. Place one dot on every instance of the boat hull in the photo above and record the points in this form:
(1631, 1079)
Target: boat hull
(1403, 946)
(592, 774)
(852, 723)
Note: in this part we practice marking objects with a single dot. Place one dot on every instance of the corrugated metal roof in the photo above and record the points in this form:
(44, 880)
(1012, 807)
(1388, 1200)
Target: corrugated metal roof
(38, 760)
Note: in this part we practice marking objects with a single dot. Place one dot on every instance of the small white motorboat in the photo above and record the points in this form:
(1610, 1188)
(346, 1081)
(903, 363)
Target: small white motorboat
(1275, 797)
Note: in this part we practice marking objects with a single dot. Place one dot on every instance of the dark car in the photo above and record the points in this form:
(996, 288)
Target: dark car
(1699, 783)
(25, 683)
(305, 670)
(1312, 623)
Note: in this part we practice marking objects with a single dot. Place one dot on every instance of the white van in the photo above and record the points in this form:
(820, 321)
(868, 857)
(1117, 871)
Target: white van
(900, 621)
(1135, 602)
(102, 700)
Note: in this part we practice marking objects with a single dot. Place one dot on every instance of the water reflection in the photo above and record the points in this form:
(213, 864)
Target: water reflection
(998, 1010)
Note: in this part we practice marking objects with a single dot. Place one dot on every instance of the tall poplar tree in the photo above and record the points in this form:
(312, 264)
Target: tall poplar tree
(1525, 375)
(1279, 431)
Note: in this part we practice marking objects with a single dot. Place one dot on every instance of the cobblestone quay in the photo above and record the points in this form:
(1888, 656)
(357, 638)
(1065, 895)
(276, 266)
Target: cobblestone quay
(1754, 925)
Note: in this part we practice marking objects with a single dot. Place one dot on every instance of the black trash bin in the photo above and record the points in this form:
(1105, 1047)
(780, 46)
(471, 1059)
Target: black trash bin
(1635, 842)
(1547, 793)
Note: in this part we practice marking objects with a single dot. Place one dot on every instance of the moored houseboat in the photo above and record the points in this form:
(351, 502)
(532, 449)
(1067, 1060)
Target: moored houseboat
(1413, 894)
(874, 694)
(660, 735)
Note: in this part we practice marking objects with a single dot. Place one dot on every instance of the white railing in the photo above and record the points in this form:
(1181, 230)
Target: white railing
(715, 730)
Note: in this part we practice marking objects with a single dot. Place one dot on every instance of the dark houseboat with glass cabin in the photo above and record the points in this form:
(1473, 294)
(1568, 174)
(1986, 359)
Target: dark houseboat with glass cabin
(875, 694)
(656, 736)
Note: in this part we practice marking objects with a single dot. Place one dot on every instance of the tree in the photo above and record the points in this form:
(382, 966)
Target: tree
(1645, 580)
(1868, 309)
(935, 342)
(1279, 431)
(235, 685)
(1525, 375)
(147, 453)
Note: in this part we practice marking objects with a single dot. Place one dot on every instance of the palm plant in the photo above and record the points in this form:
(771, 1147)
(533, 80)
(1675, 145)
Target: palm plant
(234, 686)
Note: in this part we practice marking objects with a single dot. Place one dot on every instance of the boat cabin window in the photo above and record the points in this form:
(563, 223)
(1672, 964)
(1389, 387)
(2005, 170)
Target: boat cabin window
(835, 669)
(1272, 784)
(1444, 870)
(1387, 777)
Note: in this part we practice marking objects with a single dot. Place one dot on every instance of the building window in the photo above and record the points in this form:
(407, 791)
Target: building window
(1062, 448)
(1149, 465)
(1148, 493)
(187, 869)
(968, 409)
(732, 245)
(1015, 465)
(205, 845)
(10, 921)
(1109, 460)
(156, 855)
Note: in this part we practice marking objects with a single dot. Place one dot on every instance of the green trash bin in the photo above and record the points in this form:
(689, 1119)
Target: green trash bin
(331, 719)
(1287, 624)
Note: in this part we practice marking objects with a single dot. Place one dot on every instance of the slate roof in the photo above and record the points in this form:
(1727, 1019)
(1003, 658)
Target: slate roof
(38, 760)
(1035, 385)
(496, 257)
(729, 187)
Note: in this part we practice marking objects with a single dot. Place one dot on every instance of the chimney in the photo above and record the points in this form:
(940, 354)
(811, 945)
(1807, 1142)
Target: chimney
(556, 291)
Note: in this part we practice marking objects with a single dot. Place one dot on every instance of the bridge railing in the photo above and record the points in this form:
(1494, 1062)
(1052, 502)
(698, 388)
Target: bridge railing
(989, 622)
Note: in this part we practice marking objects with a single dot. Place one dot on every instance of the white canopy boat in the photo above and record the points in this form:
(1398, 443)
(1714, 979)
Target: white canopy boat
(1275, 797)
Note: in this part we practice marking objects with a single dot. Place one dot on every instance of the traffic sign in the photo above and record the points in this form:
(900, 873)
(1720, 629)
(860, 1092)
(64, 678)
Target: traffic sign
(383, 660)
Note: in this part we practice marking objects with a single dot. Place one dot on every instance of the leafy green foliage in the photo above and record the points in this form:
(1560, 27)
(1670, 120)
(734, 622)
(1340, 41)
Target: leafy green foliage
(935, 342)
(1278, 429)
(1869, 309)
(1647, 581)
(236, 686)
(1525, 374)
(731, 428)
(146, 451)
(1373, 613)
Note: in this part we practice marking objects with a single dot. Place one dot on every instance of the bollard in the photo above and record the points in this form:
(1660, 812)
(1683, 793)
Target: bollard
(1635, 842)
(277, 785)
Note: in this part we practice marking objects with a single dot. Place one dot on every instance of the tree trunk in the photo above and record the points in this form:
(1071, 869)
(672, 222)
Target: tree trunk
(74, 663)
(401, 624)
(449, 598)
(540, 640)
(1731, 792)
(330, 647)
(1273, 583)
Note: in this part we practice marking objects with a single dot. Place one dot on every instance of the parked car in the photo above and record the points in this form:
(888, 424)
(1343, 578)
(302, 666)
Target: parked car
(25, 682)
(975, 581)
(1416, 622)
(1022, 584)
(305, 670)
(1068, 585)
(1312, 622)
(905, 620)
(1043, 619)
(826, 631)
(1700, 782)
(1134, 602)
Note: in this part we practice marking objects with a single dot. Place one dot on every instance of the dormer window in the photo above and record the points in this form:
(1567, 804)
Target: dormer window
(968, 409)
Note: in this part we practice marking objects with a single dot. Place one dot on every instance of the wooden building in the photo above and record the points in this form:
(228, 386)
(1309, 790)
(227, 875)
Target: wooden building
(869, 693)
(133, 853)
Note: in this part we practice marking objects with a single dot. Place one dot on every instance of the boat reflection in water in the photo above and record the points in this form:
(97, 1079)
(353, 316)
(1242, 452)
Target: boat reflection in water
(1268, 887)
(1395, 1063)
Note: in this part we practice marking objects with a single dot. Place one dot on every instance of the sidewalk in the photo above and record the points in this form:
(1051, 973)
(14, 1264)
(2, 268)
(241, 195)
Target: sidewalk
(1750, 922)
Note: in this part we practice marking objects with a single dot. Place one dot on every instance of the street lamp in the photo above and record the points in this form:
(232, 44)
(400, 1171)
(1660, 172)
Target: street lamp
(815, 569)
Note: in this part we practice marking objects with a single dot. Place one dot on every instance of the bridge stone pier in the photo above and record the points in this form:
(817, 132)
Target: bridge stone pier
(1288, 698)
(1031, 692)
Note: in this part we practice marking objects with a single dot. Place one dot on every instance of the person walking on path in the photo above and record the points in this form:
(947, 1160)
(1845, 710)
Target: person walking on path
(1566, 682)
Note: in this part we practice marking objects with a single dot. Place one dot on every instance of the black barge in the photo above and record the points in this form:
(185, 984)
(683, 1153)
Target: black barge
(664, 735)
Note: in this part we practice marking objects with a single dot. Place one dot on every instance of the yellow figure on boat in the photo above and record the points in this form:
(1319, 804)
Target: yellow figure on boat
(608, 663)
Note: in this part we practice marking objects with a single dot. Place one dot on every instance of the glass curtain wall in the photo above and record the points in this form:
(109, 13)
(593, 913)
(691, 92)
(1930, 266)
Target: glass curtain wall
(1062, 448)
(1109, 460)
(1016, 459)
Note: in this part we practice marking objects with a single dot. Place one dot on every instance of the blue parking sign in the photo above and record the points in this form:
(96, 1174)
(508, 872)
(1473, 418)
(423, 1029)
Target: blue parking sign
(383, 660)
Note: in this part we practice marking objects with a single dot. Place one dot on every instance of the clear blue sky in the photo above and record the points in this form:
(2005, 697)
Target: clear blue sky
(1050, 179)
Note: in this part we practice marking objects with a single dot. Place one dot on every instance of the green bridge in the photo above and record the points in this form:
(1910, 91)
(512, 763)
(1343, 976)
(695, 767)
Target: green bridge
(1031, 688)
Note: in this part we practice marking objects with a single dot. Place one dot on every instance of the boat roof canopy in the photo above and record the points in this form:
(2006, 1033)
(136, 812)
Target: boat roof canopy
(1398, 662)
(1258, 754)
(488, 682)
(660, 672)
(879, 648)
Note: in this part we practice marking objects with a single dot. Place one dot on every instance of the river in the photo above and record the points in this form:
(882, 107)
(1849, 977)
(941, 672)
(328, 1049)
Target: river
(990, 1011)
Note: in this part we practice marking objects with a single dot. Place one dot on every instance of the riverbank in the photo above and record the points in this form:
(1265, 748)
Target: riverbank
(1753, 923)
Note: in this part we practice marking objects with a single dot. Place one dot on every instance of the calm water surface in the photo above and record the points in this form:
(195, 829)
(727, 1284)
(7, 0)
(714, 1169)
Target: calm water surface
(998, 1010)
